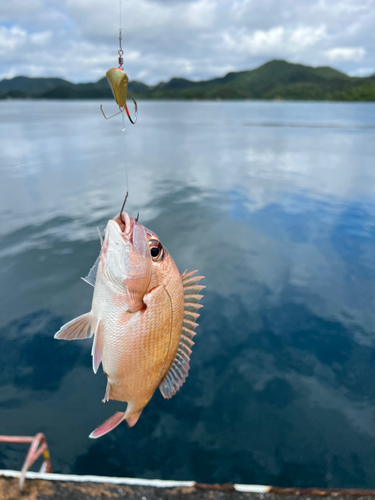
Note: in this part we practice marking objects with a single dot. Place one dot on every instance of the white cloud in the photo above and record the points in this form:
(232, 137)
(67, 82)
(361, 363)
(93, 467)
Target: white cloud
(307, 36)
(96, 19)
(21, 7)
(346, 54)
(77, 39)
(201, 14)
(274, 42)
(11, 39)
(41, 38)
(346, 6)
(362, 72)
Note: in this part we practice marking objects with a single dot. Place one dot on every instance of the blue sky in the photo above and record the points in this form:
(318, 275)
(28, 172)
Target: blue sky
(77, 39)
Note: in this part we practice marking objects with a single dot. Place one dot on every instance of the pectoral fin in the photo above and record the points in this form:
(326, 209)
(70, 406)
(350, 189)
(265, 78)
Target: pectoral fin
(97, 348)
(77, 329)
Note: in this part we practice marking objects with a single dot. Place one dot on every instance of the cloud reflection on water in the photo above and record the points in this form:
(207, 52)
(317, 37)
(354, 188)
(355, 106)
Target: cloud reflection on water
(281, 224)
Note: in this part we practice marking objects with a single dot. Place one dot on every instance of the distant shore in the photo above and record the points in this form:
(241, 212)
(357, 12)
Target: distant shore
(275, 80)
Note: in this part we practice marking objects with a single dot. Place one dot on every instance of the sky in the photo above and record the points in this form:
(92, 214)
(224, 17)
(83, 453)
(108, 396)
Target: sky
(195, 39)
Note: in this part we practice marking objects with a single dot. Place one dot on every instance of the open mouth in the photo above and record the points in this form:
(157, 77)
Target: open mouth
(132, 233)
(124, 223)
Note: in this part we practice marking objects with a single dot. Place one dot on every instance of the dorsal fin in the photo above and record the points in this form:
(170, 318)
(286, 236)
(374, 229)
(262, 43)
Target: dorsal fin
(179, 369)
(91, 277)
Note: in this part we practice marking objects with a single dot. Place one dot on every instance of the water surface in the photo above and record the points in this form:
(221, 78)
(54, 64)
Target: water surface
(275, 204)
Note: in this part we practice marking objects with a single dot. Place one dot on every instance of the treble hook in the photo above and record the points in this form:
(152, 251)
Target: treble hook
(135, 111)
(109, 117)
(122, 104)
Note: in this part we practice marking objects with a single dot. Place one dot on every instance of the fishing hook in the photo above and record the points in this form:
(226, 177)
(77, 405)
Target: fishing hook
(123, 206)
(135, 111)
(121, 110)
(109, 117)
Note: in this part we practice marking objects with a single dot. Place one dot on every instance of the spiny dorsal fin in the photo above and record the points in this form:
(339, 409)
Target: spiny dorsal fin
(179, 369)
(91, 277)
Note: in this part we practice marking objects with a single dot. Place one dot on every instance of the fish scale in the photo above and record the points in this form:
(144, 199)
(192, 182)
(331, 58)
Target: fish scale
(136, 345)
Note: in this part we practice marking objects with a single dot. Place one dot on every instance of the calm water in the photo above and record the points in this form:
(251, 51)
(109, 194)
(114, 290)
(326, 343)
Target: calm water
(275, 204)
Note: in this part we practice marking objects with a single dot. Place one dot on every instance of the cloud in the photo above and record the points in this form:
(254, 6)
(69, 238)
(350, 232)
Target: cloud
(41, 38)
(274, 42)
(77, 39)
(11, 38)
(346, 6)
(362, 72)
(201, 14)
(346, 54)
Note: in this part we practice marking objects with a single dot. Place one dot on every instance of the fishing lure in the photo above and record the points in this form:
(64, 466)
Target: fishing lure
(118, 81)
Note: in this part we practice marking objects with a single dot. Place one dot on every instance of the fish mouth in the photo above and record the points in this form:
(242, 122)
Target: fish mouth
(124, 224)
(128, 258)
(131, 233)
(124, 227)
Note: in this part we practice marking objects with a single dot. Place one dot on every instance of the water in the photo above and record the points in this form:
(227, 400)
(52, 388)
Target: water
(275, 204)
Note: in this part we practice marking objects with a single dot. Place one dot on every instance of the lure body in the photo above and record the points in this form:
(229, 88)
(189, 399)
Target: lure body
(118, 81)
(143, 318)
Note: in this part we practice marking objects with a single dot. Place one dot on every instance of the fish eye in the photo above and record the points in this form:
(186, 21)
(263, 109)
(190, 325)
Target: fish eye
(156, 250)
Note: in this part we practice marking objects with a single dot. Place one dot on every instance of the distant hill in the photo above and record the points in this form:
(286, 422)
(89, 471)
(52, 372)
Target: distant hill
(274, 80)
(31, 85)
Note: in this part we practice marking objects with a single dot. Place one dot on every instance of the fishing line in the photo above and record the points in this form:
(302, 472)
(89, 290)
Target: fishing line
(118, 81)
(120, 14)
(123, 130)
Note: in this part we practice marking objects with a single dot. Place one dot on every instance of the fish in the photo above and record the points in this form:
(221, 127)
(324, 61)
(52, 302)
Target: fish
(143, 319)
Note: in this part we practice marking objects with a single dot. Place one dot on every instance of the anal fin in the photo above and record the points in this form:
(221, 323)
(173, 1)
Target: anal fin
(106, 394)
(77, 329)
(133, 419)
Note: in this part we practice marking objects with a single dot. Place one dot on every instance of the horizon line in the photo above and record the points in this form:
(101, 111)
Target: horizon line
(187, 79)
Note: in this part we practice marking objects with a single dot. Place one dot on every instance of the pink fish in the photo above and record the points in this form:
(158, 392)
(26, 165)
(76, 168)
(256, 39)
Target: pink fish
(142, 317)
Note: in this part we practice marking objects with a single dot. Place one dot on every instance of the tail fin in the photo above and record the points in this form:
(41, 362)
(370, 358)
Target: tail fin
(108, 425)
(113, 422)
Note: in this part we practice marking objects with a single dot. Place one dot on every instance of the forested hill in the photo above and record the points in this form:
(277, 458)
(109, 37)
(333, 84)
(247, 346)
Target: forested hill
(273, 80)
